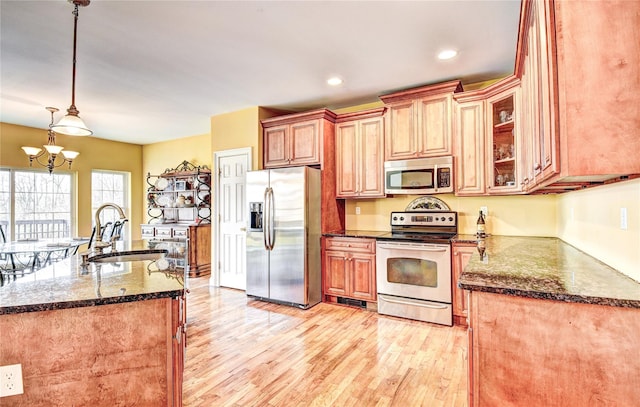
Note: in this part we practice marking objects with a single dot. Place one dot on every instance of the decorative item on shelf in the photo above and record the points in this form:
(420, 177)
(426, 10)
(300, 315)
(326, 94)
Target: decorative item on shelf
(427, 203)
(72, 124)
(188, 201)
(180, 185)
(505, 116)
(52, 149)
(181, 201)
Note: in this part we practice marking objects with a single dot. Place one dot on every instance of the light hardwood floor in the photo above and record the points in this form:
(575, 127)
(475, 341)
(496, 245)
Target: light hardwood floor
(242, 352)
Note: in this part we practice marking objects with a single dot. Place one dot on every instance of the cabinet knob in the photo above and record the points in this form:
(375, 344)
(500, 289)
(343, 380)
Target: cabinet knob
(537, 167)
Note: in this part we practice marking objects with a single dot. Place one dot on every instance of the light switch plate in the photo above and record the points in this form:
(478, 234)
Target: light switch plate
(623, 218)
(11, 380)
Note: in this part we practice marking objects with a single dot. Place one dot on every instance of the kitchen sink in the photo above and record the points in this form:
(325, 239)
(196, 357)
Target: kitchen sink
(128, 255)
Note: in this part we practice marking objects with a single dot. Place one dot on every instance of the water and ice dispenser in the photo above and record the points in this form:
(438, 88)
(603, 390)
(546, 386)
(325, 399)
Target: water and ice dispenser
(255, 212)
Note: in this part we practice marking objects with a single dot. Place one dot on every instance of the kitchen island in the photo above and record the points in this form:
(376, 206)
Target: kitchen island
(550, 325)
(102, 334)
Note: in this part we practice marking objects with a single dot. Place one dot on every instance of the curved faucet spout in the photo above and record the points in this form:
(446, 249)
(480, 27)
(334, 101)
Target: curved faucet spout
(98, 236)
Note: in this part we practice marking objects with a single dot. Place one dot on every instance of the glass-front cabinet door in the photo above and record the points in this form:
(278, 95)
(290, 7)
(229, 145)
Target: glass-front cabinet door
(503, 143)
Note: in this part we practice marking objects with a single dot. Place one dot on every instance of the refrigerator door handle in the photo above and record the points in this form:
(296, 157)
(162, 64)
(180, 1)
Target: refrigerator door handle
(265, 221)
(272, 215)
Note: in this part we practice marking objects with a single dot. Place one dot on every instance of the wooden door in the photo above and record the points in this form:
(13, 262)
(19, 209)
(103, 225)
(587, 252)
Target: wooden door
(370, 159)
(347, 159)
(470, 155)
(400, 135)
(362, 272)
(304, 143)
(232, 217)
(335, 273)
(276, 146)
(434, 126)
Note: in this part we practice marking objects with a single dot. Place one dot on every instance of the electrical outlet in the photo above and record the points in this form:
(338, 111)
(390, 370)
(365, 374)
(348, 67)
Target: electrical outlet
(357, 210)
(623, 218)
(11, 380)
(484, 211)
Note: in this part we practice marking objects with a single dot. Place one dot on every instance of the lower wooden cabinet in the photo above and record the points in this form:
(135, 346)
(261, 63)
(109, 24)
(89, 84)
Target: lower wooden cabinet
(461, 253)
(349, 268)
(188, 245)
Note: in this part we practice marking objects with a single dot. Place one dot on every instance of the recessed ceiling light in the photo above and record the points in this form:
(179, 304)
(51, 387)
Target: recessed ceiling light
(335, 81)
(447, 54)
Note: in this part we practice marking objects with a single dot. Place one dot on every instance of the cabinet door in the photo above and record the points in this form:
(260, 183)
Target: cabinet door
(335, 274)
(503, 143)
(363, 276)
(462, 253)
(346, 159)
(400, 136)
(470, 157)
(371, 171)
(276, 146)
(434, 126)
(304, 141)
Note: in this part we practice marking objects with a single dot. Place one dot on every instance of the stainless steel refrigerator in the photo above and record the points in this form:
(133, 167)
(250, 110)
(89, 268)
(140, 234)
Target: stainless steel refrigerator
(283, 236)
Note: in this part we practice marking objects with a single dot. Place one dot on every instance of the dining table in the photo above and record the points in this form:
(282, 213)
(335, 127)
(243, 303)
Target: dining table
(30, 255)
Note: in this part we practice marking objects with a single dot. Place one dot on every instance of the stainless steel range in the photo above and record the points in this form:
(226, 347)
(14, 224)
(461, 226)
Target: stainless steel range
(413, 265)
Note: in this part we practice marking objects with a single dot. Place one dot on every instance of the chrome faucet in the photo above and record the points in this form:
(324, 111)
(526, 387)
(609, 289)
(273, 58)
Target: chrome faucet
(98, 244)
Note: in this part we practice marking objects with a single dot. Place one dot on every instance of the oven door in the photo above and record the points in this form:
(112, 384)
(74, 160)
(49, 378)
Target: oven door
(414, 270)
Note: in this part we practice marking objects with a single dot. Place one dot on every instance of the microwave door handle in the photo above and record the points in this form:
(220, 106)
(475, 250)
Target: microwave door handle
(435, 178)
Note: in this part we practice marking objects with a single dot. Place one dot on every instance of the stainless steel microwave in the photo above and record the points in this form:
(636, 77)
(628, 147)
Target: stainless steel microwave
(419, 176)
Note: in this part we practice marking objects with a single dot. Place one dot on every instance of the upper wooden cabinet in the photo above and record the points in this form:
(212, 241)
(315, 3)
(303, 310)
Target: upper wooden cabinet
(579, 65)
(419, 121)
(488, 142)
(297, 139)
(359, 154)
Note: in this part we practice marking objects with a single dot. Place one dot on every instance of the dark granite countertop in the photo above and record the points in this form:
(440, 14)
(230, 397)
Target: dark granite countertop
(66, 284)
(547, 268)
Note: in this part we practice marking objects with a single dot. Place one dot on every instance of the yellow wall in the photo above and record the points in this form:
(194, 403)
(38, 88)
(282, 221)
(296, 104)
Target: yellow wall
(95, 154)
(590, 221)
(508, 215)
(158, 157)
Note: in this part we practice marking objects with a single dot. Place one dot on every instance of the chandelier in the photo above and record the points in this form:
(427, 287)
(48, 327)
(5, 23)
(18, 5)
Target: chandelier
(54, 151)
(72, 124)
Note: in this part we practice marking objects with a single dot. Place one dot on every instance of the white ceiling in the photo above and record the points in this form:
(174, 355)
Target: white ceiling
(149, 71)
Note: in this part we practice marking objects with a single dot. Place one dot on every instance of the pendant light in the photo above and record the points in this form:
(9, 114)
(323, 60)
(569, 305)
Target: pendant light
(72, 124)
(51, 148)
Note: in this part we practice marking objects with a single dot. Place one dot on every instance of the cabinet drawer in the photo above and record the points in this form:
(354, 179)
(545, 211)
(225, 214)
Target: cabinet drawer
(180, 233)
(163, 232)
(147, 231)
(351, 244)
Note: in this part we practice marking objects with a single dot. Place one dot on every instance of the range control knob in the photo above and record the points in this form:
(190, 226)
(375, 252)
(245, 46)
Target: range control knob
(450, 218)
(401, 217)
(395, 218)
(442, 218)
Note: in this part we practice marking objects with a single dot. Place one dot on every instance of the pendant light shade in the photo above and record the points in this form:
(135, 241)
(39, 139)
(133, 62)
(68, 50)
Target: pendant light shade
(72, 124)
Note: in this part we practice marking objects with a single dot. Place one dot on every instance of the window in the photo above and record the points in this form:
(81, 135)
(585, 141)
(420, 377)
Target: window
(36, 205)
(5, 202)
(110, 187)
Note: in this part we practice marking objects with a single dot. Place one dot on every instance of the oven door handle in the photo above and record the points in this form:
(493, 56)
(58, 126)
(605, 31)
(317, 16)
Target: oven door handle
(412, 247)
(414, 303)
